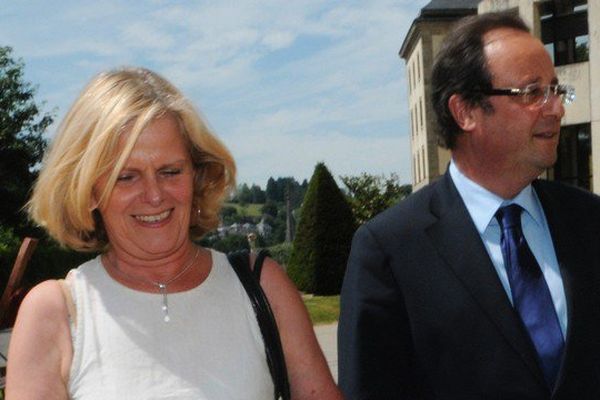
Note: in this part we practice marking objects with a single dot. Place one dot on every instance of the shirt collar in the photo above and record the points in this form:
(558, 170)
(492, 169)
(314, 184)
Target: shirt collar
(483, 204)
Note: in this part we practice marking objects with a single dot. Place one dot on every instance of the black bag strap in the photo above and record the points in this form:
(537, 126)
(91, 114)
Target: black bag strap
(240, 261)
(258, 264)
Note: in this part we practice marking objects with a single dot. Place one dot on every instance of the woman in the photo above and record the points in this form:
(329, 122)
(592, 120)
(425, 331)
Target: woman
(135, 174)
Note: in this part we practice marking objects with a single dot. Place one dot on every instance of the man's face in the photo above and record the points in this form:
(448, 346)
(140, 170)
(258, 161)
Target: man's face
(516, 139)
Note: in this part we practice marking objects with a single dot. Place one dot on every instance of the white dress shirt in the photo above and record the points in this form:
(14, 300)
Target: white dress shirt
(482, 206)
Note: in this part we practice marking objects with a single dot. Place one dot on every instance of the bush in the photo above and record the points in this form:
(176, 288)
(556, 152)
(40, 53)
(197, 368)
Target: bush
(372, 194)
(49, 261)
(227, 244)
(9, 246)
(322, 244)
(8, 240)
(281, 253)
(269, 208)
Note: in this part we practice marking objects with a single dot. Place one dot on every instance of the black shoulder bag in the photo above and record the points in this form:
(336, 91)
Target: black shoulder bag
(240, 261)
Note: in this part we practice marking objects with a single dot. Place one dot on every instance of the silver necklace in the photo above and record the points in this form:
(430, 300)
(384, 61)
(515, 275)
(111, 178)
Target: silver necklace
(162, 286)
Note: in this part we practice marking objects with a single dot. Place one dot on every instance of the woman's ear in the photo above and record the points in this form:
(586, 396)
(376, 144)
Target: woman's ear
(462, 112)
(94, 201)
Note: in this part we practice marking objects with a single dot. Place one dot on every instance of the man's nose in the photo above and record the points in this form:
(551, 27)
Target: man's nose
(554, 107)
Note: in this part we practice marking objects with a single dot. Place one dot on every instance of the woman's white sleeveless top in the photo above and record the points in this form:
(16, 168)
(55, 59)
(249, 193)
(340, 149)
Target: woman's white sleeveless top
(211, 348)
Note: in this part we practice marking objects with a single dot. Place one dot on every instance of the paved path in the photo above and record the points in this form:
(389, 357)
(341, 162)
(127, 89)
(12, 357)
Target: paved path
(327, 336)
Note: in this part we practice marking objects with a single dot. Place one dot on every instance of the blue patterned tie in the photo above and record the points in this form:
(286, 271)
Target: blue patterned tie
(531, 296)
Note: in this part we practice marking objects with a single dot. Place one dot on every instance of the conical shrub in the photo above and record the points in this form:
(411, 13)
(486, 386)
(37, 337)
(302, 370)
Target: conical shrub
(322, 243)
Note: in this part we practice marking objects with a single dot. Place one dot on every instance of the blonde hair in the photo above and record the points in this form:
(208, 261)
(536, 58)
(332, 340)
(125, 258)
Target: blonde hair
(86, 147)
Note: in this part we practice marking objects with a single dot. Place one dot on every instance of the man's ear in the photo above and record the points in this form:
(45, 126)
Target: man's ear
(462, 112)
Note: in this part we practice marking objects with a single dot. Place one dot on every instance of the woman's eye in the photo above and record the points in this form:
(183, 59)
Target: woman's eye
(171, 172)
(124, 177)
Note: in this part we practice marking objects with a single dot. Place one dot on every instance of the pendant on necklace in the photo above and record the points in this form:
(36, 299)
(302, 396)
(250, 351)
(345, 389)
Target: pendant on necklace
(162, 286)
(165, 307)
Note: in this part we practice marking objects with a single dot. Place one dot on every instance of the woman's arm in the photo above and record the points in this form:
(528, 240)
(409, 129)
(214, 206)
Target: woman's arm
(308, 372)
(40, 351)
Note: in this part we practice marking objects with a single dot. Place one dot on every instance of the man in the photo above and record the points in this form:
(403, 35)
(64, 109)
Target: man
(484, 284)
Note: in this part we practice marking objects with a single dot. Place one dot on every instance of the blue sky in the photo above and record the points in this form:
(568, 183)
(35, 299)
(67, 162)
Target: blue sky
(285, 84)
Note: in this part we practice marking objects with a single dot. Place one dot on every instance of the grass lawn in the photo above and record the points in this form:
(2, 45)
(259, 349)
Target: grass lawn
(251, 210)
(322, 309)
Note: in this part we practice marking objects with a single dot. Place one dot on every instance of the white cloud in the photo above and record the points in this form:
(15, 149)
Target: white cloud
(283, 155)
(278, 40)
(146, 36)
(286, 84)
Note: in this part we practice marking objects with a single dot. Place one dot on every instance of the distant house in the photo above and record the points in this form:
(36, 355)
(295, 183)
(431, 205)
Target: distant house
(262, 228)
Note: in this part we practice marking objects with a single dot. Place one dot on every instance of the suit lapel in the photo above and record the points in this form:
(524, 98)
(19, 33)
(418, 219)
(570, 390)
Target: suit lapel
(459, 244)
(568, 248)
(574, 264)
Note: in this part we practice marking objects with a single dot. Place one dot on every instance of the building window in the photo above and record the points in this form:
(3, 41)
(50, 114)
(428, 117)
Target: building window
(414, 169)
(419, 130)
(412, 75)
(418, 166)
(419, 67)
(565, 30)
(410, 86)
(423, 161)
(412, 125)
(582, 48)
(573, 165)
(421, 112)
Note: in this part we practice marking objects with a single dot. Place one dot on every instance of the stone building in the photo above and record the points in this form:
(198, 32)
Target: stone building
(420, 46)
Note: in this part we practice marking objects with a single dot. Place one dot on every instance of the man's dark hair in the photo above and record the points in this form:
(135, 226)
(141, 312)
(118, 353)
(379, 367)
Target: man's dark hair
(460, 68)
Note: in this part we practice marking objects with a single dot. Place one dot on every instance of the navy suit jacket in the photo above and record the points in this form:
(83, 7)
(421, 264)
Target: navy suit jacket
(424, 315)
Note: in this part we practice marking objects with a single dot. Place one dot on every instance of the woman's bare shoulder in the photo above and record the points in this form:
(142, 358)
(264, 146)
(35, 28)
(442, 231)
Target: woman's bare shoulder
(40, 347)
(43, 317)
(45, 300)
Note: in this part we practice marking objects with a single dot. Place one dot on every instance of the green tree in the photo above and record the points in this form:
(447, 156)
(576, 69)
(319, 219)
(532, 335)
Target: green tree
(243, 195)
(21, 141)
(229, 215)
(277, 190)
(278, 225)
(272, 190)
(227, 244)
(582, 52)
(269, 208)
(322, 244)
(371, 194)
(258, 195)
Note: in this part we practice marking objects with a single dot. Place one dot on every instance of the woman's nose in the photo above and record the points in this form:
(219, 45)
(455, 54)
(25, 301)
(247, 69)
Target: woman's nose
(152, 191)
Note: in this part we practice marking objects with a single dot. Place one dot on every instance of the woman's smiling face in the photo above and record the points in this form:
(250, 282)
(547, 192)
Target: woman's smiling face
(148, 213)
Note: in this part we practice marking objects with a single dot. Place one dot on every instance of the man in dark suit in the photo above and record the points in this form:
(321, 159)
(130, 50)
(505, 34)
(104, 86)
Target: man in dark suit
(484, 284)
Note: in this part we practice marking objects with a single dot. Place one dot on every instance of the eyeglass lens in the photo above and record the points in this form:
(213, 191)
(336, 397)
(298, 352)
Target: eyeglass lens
(539, 95)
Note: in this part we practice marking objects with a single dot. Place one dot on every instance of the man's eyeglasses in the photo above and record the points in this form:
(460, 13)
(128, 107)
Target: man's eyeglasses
(537, 95)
